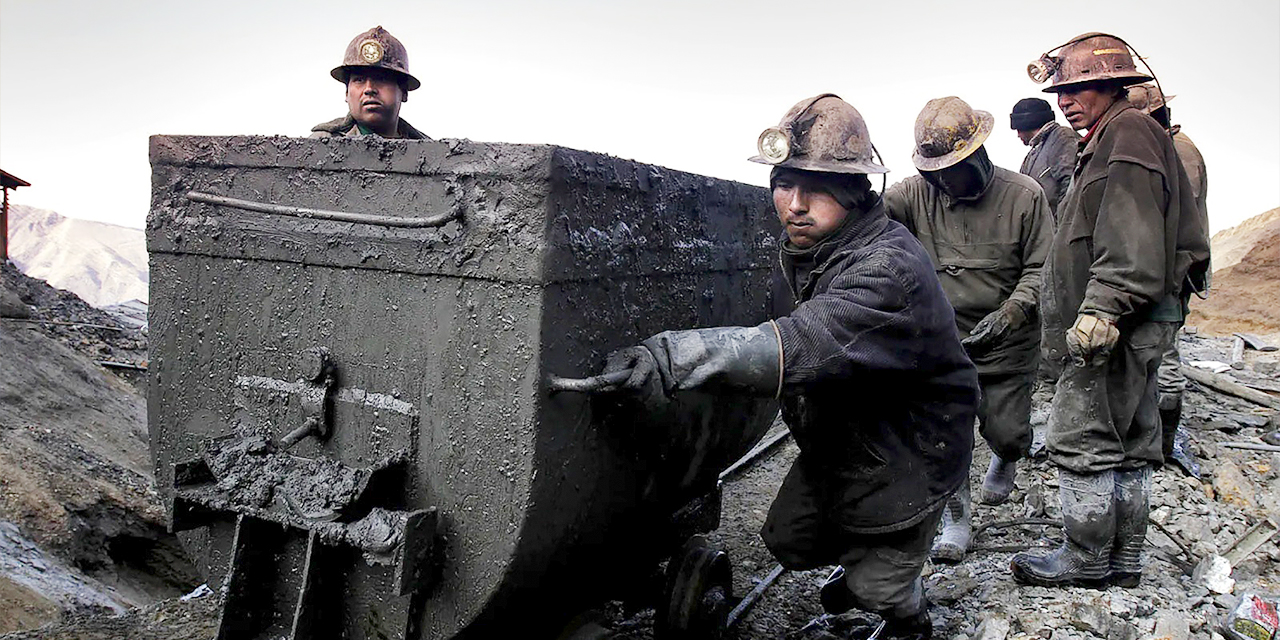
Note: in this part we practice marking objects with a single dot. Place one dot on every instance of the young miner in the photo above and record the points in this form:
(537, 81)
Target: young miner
(865, 357)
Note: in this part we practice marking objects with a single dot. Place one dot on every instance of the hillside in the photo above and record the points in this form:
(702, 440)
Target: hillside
(102, 263)
(1246, 280)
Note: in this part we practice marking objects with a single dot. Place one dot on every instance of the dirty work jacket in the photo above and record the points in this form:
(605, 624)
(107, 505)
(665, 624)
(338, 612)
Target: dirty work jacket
(1129, 234)
(346, 126)
(877, 390)
(985, 252)
(1051, 160)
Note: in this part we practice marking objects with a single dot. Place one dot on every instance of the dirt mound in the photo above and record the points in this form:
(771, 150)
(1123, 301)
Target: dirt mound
(76, 502)
(1231, 245)
(1245, 295)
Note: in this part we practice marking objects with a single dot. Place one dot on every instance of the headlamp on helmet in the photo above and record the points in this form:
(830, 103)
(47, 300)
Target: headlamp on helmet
(1041, 70)
(774, 145)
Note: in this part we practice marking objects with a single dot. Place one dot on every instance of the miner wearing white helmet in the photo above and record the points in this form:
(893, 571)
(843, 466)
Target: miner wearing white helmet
(375, 71)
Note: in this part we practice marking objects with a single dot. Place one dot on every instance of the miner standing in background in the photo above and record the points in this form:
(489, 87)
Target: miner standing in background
(860, 317)
(1129, 237)
(987, 231)
(1053, 148)
(375, 70)
(1149, 99)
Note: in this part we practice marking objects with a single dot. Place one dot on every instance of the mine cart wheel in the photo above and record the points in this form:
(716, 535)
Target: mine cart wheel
(699, 593)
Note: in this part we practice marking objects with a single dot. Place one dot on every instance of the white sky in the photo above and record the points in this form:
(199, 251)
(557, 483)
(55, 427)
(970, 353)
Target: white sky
(685, 84)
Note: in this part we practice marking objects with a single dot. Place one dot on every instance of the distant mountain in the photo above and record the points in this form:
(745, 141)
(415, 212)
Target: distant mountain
(104, 264)
(1245, 295)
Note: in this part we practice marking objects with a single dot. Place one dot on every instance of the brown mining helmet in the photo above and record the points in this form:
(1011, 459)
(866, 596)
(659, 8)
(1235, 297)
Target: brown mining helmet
(822, 133)
(1148, 97)
(376, 48)
(1090, 57)
(948, 130)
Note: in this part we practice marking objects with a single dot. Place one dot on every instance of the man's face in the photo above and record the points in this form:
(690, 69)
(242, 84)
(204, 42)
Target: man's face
(808, 212)
(1025, 135)
(374, 97)
(1085, 105)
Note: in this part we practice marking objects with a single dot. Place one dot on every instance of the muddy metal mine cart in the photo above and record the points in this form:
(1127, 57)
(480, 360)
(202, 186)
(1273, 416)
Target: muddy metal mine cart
(353, 399)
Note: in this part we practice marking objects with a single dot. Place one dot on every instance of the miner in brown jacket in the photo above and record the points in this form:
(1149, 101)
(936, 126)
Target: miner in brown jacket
(375, 70)
(1129, 242)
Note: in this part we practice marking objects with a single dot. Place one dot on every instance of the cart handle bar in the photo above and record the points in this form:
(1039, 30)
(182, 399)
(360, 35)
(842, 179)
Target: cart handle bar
(321, 214)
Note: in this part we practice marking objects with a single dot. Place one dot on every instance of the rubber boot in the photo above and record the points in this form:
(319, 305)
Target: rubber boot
(835, 596)
(909, 620)
(1133, 503)
(951, 544)
(1089, 522)
(1174, 438)
(998, 483)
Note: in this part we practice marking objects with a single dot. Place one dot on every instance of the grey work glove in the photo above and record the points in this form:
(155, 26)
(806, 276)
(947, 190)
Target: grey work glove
(1091, 339)
(994, 328)
(740, 358)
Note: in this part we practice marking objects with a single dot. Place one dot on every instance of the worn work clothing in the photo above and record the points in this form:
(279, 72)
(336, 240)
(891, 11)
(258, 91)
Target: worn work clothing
(881, 570)
(1104, 416)
(869, 321)
(1129, 236)
(1170, 380)
(1004, 414)
(347, 126)
(986, 252)
(1051, 160)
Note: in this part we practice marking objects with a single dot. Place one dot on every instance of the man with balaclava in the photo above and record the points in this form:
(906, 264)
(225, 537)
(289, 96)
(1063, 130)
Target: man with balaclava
(1053, 148)
(987, 231)
(860, 317)
(375, 71)
(1129, 242)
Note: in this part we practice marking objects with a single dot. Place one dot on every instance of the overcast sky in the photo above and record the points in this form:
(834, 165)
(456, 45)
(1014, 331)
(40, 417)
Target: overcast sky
(685, 84)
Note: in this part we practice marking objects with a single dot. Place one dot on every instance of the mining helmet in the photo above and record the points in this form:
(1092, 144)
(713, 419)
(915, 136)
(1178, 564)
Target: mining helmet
(1086, 58)
(948, 130)
(1148, 97)
(376, 48)
(822, 133)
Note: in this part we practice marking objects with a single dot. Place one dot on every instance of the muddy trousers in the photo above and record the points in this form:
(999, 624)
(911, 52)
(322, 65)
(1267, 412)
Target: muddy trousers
(882, 570)
(1004, 413)
(1104, 416)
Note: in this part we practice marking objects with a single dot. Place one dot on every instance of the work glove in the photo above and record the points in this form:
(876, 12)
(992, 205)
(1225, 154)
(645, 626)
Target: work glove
(1091, 338)
(738, 358)
(994, 328)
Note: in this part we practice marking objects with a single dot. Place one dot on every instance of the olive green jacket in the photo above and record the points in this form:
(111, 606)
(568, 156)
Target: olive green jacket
(985, 252)
(346, 126)
(1130, 235)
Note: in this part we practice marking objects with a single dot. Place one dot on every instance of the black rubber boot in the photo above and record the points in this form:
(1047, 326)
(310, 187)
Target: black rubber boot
(1132, 497)
(915, 627)
(835, 595)
(1089, 522)
(951, 544)
(1174, 440)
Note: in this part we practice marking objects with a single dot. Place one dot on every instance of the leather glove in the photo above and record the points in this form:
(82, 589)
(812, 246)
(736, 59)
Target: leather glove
(994, 328)
(1091, 338)
(740, 358)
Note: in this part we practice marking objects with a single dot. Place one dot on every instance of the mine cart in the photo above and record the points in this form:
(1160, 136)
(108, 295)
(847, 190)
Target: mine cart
(356, 412)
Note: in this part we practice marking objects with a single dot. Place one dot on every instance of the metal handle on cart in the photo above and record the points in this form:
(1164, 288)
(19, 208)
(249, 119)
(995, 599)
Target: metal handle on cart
(321, 214)
(588, 385)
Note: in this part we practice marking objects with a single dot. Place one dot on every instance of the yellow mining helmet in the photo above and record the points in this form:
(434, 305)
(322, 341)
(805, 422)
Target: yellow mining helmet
(379, 49)
(947, 131)
(1089, 57)
(822, 133)
(1148, 97)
